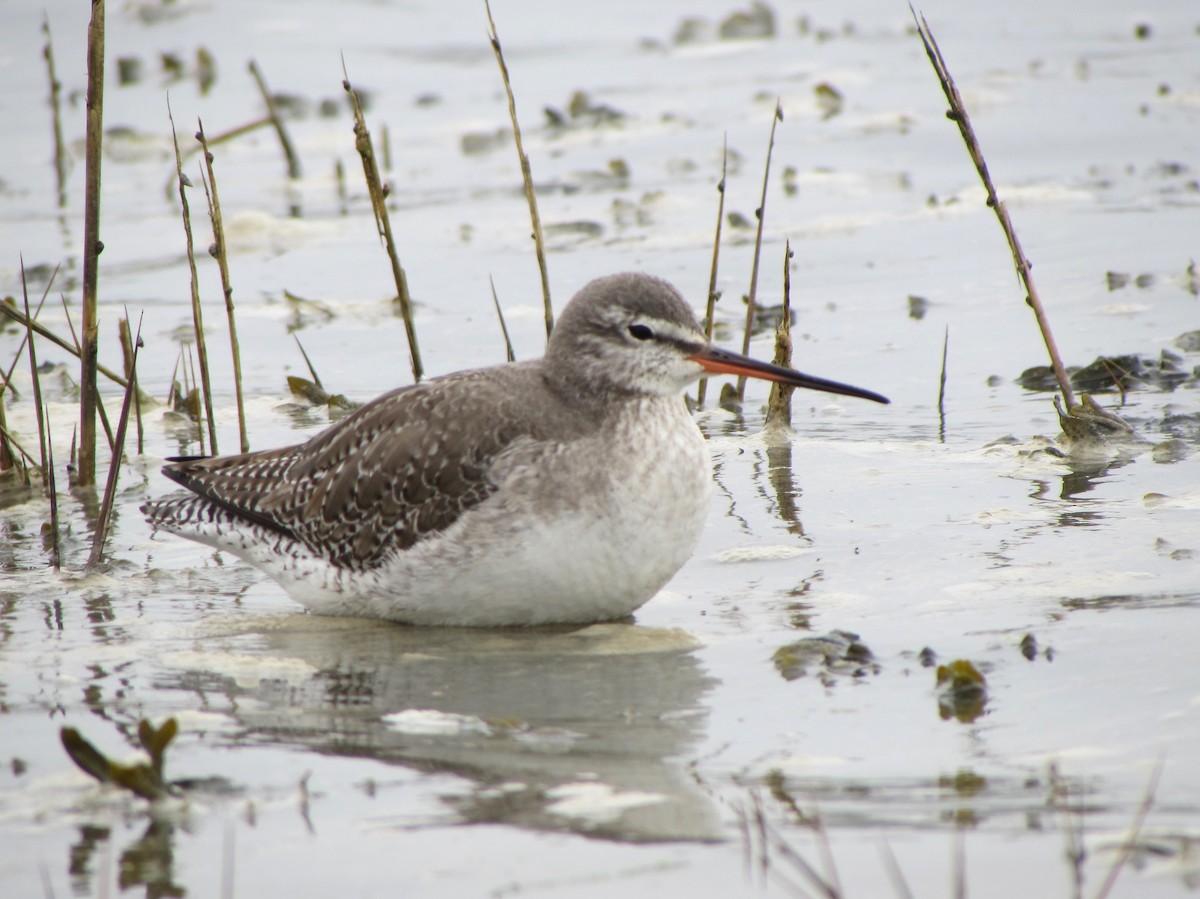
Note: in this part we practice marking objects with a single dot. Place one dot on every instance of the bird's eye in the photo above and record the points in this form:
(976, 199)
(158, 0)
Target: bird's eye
(640, 332)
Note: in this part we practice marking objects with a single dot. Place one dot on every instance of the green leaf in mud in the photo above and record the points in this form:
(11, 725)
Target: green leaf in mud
(314, 393)
(141, 779)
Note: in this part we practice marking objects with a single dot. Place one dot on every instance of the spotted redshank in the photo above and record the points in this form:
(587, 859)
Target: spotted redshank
(565, 490)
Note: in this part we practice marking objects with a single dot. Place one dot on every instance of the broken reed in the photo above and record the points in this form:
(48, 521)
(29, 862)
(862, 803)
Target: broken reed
(285, 141)
(713, 296)
(100, 534)
(127, 351)
(197, 313)
(215, 140)
(217, 250)
(70, 346)
(760, 214)
(383, 222)
(33, 371)
(86, 471)
(60, 149)
(508, 347)
(7, 441)
(941, 402)
(539, 242)
(52, 487)
(108, 433)
(8, 458)
(958, 114)
(779, 402)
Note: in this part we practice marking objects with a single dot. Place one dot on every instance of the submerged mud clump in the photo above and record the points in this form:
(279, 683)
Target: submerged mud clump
(836, 654)
(1110, 374)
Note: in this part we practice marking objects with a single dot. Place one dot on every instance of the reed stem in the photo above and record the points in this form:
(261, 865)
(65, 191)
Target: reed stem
(383, 223)
(713, 295)
(93, 141)
(539, 242)
(760, 214)
(958, 115)
(217, 250)
(197, 313)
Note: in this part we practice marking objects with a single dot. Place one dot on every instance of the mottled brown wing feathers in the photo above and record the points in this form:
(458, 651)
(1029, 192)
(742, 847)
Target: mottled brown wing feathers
(402, 467)
(236, 482)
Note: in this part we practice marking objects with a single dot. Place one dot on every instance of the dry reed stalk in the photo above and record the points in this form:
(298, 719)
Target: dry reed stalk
(10, 439)
(825, 848)
(37, 381)
(189, 385)
(72, 348)
(779, 401)
(385, 145)
(958, 114)
(223, 137)
(60, 148)
(32, 325)
(713, 296)
(539, 242)
(339, 177)
(217, 250)
(958, 873)
(383, 223)
(8, 459)
(127, 351)
(197, 314)
(760, 214)
(308, 362)
(86, 471)
(1135, 829)
(508, 347)
(895, 875)
(99, 368)
(23, 321)
(941, 405)
(289, 152)
(52, 486)
(1058, 799)
(71, 325)
(231, 133)
(110, 488)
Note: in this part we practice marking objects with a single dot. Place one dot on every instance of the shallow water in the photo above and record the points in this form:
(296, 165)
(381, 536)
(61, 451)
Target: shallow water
(671, 754)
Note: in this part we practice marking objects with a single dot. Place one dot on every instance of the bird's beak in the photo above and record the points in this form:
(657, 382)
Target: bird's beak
(723, 362)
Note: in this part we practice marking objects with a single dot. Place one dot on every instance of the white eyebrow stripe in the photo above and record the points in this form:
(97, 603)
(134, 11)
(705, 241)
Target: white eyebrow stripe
(667, 330)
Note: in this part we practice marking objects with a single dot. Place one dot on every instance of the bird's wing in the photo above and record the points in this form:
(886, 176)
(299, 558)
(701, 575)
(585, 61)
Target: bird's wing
(402, 467)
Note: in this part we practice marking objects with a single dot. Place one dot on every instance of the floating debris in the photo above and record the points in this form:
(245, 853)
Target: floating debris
(129, 70)
(584, 112)
(754, 23)
(961, 691)
(737, 220)
(1121, 280)
(829, 99)
(1029, 647)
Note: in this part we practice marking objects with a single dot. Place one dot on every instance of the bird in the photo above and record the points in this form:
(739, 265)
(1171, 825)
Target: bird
(563, 490)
